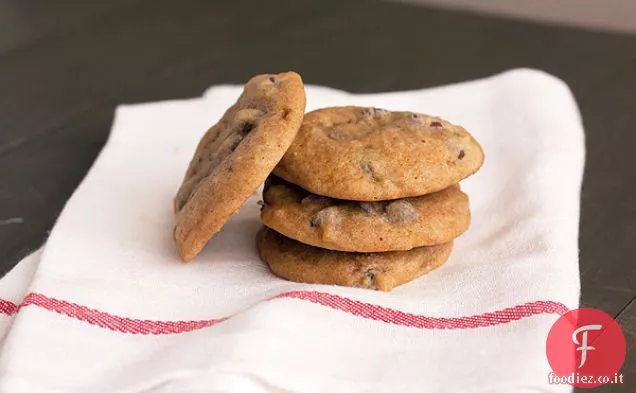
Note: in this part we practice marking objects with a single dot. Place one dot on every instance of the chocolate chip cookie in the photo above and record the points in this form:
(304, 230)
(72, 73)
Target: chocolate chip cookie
(235, 156)
(369, 154)
(336, 224)
(383, 271)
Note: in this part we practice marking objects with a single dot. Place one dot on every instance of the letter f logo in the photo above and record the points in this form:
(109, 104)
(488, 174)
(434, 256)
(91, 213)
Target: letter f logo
(584, 347)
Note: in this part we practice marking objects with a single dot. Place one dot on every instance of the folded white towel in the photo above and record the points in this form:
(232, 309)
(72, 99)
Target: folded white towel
(110, 308)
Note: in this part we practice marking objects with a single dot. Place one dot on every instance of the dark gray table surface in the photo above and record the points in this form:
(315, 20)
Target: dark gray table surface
(65, 65)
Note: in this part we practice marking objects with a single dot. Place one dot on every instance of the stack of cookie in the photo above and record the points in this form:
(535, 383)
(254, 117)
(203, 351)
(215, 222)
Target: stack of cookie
(360, 197)
(367, 198)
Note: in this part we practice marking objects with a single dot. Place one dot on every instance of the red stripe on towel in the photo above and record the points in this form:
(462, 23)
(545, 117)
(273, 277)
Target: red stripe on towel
(8, 307)
(353, 307)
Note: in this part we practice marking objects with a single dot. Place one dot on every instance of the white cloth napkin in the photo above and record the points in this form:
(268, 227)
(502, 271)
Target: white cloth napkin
(108, 307)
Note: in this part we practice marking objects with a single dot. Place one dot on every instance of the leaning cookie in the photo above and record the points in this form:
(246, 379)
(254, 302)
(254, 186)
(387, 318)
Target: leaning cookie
(235, 156)
(383, 271)
(334, 224)
(368, 154)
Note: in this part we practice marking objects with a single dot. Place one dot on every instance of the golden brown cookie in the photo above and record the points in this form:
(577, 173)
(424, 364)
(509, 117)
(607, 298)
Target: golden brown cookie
(336, 224)
(368, 154)
(235, 156)
(383, 271)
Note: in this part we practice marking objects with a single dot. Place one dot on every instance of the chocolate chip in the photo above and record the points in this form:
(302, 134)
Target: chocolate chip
(368, 169)
(368, 279)
(315, 221)
(366, 207)
(246, 128)
(272, 79)
(461, 155)
(372, 207)
(436, 124)
(323, 217)
(246, 120)
(286, 113)
(401, 211)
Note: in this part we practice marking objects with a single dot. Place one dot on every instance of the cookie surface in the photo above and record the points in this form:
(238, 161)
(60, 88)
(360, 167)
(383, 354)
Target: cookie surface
(235, 156)
(368, 154)
(342, 225)
(383, 271)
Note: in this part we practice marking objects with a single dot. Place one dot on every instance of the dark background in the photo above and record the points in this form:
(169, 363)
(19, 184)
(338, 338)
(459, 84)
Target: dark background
(65, 65)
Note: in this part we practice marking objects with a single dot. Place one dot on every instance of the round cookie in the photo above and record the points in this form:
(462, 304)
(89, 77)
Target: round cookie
(235, 156)
(369, 154)
(383, 271)
(335, 224)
